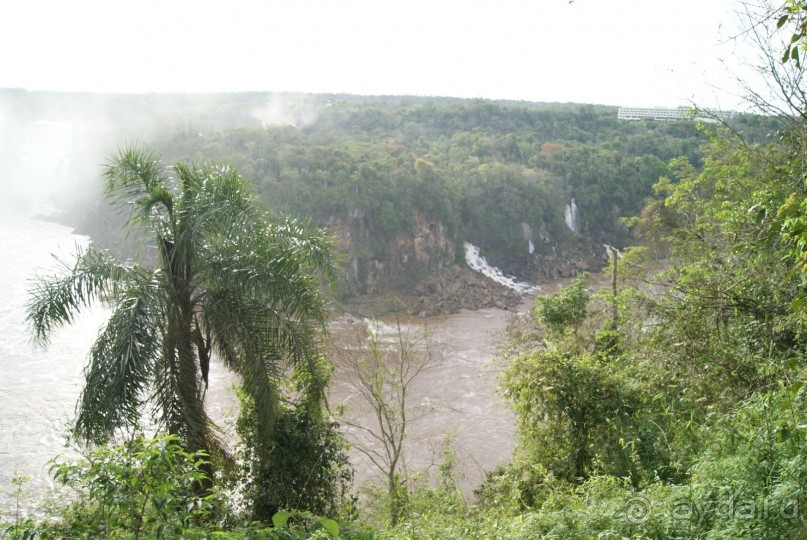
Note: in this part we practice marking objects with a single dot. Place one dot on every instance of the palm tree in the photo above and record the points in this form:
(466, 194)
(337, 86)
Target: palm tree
(228, 280)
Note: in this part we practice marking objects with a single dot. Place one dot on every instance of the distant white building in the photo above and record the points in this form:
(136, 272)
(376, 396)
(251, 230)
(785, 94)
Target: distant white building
(680, 113)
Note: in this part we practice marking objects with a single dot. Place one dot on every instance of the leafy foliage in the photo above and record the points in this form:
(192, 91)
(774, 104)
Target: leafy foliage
(794, 15)
(690, 427)
(673, 408)
(482, 169)
(144, 487)
(307, 466)
(566, 309)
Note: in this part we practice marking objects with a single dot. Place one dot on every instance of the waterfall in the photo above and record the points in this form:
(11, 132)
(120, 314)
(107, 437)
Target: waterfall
(479, 264)
(542, 234)
(572, 217)
(528, 235)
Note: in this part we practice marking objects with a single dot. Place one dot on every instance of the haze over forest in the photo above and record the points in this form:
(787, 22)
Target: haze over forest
(403, 182)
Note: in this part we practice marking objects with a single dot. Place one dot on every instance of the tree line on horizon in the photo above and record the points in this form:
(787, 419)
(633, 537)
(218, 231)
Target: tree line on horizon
(484, 170)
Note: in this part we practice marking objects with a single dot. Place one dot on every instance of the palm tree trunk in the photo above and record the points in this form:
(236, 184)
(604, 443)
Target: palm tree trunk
(189, 386)
(194, 421)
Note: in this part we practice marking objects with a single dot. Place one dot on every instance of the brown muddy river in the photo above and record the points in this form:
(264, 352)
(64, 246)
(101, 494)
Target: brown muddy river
(452, 400)
(39, 388)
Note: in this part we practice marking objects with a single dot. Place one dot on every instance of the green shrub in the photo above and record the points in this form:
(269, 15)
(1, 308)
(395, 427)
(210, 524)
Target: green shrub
(307, 466)
(145, 488)
(565, 309)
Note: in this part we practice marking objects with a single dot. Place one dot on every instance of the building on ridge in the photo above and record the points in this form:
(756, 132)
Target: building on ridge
(680, 113)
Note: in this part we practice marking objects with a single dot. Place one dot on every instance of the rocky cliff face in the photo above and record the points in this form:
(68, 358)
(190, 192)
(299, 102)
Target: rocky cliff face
(415, 270)
(374, 266)
(545, 259)
(551, 261)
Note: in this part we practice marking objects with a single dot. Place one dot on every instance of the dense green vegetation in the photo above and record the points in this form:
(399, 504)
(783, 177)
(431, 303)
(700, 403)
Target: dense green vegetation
(492, 173)
(481, 168)
(671, 405)
(674, 408)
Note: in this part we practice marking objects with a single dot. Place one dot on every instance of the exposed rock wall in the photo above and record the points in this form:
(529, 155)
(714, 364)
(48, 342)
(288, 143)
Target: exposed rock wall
(416, 269)
(374, 266)
(549, 261)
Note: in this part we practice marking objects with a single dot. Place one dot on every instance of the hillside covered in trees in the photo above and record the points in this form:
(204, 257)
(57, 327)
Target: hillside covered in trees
(405, 182)
(668, 404)
(500, 176)
(402, 183)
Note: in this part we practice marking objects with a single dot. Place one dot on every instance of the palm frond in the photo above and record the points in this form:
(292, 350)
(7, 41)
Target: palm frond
(228, 277)
(278, 273)
(178, 396)
(238, 328)
(267, 281)
(157, 196)
(167, 407)
(314, 248)
(135, 177)
(121, 366)
(95, 275)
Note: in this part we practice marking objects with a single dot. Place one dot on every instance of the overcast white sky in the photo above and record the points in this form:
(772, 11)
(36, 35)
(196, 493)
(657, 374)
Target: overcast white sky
(617, 52)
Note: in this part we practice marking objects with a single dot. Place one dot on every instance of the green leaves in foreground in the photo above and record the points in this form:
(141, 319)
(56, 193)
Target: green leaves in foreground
(281, 521)
(146, 487)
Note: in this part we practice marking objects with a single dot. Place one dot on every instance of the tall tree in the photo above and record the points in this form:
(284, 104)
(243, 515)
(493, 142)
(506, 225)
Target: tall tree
(227, 280)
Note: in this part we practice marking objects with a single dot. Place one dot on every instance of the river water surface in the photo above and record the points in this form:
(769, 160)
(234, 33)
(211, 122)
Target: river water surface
(39, 387)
